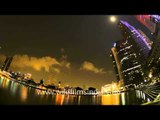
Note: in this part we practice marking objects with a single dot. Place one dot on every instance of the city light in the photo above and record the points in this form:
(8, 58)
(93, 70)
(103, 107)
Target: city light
(110, 88)
(136, 66)
(150, 75)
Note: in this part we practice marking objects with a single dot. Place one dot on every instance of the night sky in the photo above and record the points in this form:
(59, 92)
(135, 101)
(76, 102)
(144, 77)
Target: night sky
(73, 49)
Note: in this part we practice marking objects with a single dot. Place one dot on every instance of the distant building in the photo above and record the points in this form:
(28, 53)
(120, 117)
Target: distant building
(7, 63)
(27, 76)
(41, 82)
(130, 54)
(106, 88)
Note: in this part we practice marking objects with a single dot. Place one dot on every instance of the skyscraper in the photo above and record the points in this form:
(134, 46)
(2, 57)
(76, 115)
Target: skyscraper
(7, 63)
(154, 58)
(152, 22)
(150, 42)
(130, 54)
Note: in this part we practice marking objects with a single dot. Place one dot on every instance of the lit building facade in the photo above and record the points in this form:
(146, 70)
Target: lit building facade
(130, 54)
(109, 88)
(106, 88)
(149, 42)
(153, 62)
(152, 22)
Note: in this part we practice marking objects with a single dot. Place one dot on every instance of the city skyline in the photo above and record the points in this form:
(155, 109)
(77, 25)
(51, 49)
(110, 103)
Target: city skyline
(73, 49)
(80, 60)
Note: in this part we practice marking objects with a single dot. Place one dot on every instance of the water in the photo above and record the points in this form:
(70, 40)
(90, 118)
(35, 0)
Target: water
(12, 93)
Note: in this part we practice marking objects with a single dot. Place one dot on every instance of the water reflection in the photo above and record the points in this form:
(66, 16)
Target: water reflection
(59, 99)
(13, 88)
(123, 98)
(66, 99)
(111, 99)
(15, 93)
(4, 82)
(24, 93)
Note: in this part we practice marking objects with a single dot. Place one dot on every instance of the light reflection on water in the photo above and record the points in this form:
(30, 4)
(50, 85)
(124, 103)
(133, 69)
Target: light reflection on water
(113, 99)
(15, 93)
(24, 93)
(59, 99)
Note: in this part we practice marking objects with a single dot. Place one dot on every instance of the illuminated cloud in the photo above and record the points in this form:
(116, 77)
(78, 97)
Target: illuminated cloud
(57, 70)
(66, 64)
(24, 61)
(88, 66)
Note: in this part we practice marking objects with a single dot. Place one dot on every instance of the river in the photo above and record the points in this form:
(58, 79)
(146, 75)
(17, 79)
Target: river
(12, 93)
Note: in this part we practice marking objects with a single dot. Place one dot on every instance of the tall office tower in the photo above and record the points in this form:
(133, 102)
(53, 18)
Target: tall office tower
(154, 58)
(130, 54)
(7, 63)
(152, 22)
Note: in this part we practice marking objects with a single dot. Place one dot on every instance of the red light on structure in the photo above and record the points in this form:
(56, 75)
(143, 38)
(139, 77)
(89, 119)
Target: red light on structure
(146, 21)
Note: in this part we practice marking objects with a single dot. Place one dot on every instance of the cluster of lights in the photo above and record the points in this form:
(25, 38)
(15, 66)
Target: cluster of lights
(127, 57)
(132, 68)
(126, 53)
(125, 42)
(135, 63)
(137, 71)
(128, 47)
